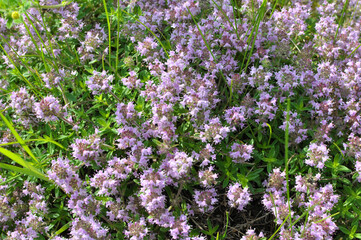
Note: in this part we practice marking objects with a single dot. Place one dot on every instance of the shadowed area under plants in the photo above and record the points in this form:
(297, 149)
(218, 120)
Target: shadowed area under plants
(253, 216)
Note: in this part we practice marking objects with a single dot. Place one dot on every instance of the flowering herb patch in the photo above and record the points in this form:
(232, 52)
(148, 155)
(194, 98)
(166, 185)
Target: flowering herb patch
(169, 119)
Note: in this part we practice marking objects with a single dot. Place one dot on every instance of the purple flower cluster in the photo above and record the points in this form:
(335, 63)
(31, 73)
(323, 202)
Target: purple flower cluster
(241, 153)
(194, 109)
(49, 109)
(214, 131)
(70, 25)
(132, 81)
(206, 199)
(99, 82)
(238, 197)
(317, 201)
(109, 179)
(64, 174)
(274, 199)
(88, 150)
(22, 103)
(353, 149)
(251, 235)
(28, 211)
(54, 78)
(137, 230)
(317, 155)
(93, 40)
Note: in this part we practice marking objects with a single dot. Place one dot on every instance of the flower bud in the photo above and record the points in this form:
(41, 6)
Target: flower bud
(15, 15)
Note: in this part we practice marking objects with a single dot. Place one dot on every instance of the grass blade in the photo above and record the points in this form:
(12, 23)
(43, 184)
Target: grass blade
(286, 157)
(16, 158)
(340, 22)
(109, 33)
(41, 140)
(25, 171)
(17, 137)
(62, 229)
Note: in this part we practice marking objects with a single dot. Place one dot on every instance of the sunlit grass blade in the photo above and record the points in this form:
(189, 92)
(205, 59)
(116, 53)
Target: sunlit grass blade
(61, 230)
(40, 140)
(279, 228)
(9, 179)
(25, 171)
(62, 4)
(41, 53)
(16, 158)
(43, 23)
(109, 31)
(353, 51)
(117, 43)
(17, 137)
(225, 232)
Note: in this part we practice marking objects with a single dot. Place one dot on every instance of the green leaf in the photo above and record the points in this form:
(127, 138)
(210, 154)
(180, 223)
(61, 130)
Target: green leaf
(358, 235)
(103, 122)
(344, 230)
(41, 140)
(62, 229)
(242, 179)
(48, 139)
(343, 168)
(9, 23)
(158, 143)
(225, 183)
(259, 138)
(269, 160)
(71, 97)
(255, 174)
(337, 158)
(353, 230)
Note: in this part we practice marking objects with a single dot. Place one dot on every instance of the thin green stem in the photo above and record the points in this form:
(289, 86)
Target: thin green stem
(354, 51)
(304, 224)
(279, 228)
(234, 16)
(343, 13)
(66, 120)
(254, 33)
(116, 97)
(63, 4)
(117, 42)
(303, 214)
(273, 9)
(49, 40)
(109, 33)
(286, 157)
(273, 203)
